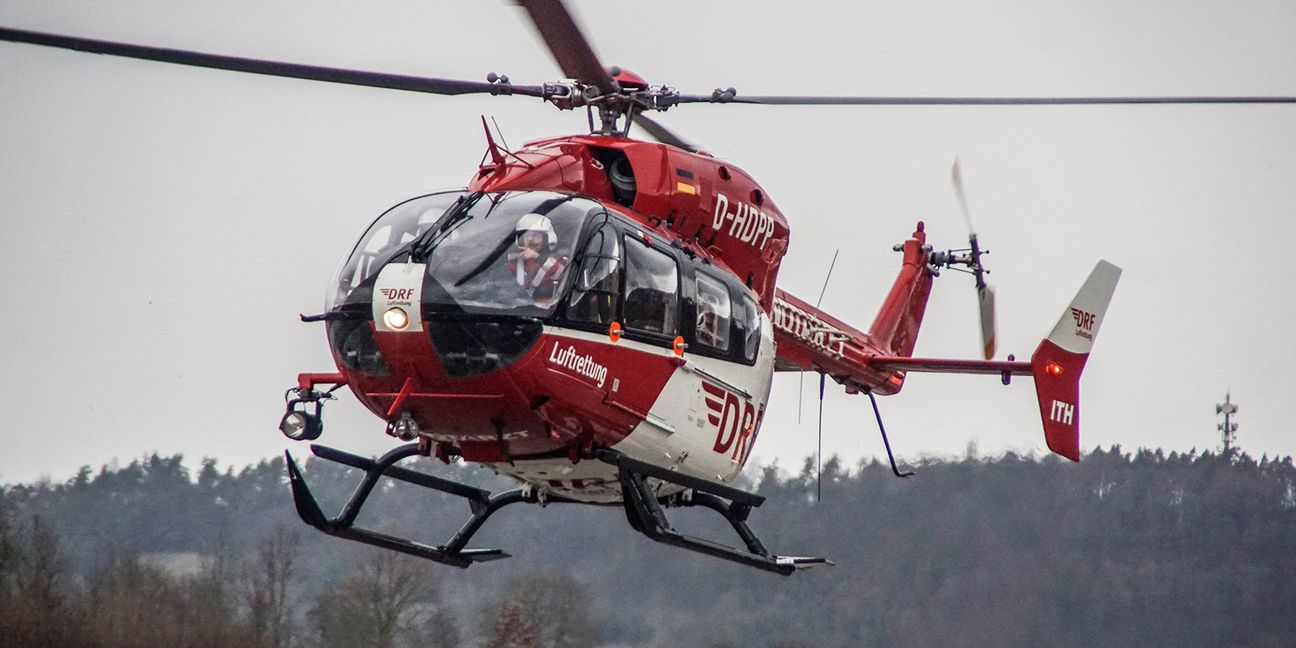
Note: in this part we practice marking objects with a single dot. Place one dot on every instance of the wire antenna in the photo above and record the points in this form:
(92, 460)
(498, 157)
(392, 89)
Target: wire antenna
(801, 379)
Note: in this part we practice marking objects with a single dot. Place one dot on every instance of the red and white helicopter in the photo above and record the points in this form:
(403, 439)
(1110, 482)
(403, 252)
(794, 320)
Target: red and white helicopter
(599, 318)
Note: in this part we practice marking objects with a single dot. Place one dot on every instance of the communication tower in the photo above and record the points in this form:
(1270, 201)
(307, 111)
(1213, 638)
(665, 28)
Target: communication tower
(1228, 427)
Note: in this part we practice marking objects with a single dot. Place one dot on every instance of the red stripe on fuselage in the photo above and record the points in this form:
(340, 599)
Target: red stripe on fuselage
(567, 390)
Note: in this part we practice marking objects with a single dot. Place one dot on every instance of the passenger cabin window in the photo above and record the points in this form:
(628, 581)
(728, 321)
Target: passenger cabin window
(651, 290)
(750, 314)
(597, 292)
(713, 313)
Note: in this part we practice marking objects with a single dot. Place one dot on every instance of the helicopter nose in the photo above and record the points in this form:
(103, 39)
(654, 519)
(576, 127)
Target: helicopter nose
(470, 347)
(465, 345)
(397, 298)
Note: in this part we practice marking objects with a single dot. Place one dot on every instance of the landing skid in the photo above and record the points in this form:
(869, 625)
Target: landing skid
(644, 509)
(480, 502)
(646, 514)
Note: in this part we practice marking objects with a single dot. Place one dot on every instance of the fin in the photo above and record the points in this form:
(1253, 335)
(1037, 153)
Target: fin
(1060, 359)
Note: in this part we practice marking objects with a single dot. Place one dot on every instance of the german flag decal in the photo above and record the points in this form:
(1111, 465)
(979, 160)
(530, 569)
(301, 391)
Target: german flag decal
(684, 182)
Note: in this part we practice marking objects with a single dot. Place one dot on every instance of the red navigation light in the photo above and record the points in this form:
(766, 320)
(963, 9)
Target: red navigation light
(1054, 369)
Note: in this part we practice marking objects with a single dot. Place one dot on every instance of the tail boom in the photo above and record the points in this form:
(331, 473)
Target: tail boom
(861, 361)
(808, 339)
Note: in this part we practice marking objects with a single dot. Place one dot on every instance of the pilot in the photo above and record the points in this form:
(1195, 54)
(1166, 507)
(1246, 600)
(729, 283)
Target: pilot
(534, 263)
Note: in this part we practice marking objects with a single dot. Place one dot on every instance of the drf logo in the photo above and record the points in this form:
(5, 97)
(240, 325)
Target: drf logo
(1084, 320)
(735, 421)
(397, 294)
(1062, 412)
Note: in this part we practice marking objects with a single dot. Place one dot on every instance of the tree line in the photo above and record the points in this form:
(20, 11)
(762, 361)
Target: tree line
(1124, 548)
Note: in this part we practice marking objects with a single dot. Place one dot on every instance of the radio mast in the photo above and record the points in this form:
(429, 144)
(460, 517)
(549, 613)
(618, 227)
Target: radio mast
(1229, 428)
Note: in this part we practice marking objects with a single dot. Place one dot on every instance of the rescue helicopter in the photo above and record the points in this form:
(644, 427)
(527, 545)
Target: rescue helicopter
(599, 316)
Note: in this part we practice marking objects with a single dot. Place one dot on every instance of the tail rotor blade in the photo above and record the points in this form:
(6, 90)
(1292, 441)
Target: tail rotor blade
(985, 294)
(989, 330)
(956, 178)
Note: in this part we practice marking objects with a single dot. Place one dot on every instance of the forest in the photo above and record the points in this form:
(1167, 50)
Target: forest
(1124, 548)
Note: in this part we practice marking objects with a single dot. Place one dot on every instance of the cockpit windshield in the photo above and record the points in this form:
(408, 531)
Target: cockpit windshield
(501, 253)
(390, 233)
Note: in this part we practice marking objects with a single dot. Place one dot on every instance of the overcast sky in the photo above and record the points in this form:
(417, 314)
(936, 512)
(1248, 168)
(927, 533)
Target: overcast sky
(164, 226)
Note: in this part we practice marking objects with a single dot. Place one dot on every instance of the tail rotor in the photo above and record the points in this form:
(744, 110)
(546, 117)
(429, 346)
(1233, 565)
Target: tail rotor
(970, 258)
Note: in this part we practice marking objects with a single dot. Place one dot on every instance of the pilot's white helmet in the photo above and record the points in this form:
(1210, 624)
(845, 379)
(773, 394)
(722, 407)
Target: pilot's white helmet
(537, 223)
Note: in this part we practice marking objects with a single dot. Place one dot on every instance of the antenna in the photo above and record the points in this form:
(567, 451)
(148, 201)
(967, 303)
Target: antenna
(801, 381)
(801, 391)
(1229, 429)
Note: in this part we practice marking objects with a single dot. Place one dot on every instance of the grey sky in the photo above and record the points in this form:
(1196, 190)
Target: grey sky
(163, 226)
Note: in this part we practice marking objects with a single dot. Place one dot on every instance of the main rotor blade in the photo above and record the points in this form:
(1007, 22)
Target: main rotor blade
(570, 48)
(270, 68)
(662, 134)
(975, 101)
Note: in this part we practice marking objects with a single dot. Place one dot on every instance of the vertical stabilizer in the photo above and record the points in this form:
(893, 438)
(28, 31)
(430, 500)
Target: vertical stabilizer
(1060, 359)
(897, 322)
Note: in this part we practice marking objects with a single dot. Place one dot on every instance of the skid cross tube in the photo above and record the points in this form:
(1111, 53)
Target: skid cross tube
(646, 514)
(481, 503)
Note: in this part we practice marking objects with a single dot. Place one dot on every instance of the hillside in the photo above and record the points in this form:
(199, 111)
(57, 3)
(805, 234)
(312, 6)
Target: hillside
(1120, 549)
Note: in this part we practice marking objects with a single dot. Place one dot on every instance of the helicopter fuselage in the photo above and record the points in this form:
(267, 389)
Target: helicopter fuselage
(654, 338)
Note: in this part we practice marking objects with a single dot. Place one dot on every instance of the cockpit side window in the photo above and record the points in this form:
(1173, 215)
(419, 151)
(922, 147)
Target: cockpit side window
(713, 313)
(651, 290)
(597, 291)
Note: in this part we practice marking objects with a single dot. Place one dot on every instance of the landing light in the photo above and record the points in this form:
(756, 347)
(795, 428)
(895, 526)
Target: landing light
(396, 318)
(405, 428)
(300, 426)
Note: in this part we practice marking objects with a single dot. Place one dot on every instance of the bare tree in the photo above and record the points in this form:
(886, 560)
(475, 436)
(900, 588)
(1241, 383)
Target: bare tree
(385, 602)
(10, 557)
(45, 614)
(548, 608)
(268, 585)
(131, 604)
(514, 627)
(213, 602)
